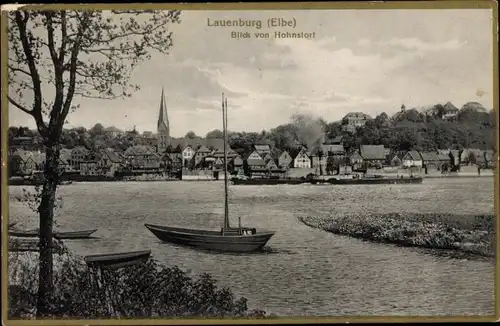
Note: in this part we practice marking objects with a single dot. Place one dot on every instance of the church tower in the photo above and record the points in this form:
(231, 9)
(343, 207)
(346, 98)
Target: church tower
(163, 127)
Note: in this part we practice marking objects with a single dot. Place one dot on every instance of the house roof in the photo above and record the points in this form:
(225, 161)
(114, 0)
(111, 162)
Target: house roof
(24, 155)
(262, 147)
(477, 152)
(429, 156)
(357, 115)
(112, 156)
(247, 155)
(443, 157)
(139, 150)
(353, 154)
(203, 149)
(65, 155)
(220, 152)
(372, 152)
(237, 159)
(337, 140)
(270, 160)
(294, 152)
(415, 155)
(255, 162)
(80, 149)
(394, 157)
(194, 143)
(334, 148)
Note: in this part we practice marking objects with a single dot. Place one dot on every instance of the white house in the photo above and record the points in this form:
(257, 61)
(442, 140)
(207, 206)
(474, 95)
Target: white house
(187, 155)
(412, 158)
(302, 159)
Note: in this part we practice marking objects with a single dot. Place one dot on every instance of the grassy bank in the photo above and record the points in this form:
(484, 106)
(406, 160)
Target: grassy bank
(470, 234)
(147, 290)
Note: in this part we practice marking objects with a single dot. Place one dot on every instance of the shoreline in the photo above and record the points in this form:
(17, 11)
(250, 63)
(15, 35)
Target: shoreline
(17, 183)
(450, 235)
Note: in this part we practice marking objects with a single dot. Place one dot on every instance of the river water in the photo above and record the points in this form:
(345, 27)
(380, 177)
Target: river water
(303, 271)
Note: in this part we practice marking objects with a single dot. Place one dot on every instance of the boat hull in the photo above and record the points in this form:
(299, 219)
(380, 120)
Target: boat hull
(211, 240)
(117, 260)
(57, 235)
(263, 181)
(368, 181)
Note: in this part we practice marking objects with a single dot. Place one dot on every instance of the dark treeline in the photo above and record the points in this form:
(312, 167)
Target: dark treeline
(472, 126)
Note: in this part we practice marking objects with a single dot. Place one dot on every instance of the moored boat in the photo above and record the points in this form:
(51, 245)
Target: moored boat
(57, 235)
(228, 239)
(117, 260)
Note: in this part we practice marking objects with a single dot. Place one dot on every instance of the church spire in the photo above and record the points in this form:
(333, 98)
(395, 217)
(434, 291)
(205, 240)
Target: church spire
(163, 125)
(163, 117)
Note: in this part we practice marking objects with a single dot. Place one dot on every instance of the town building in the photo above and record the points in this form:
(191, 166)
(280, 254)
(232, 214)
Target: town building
(469, 156)
(356, 160)
(263, 149)
(430, 161)
(284, 160)
(254, 165)
(353, 120)
(412, 158)
(141, 158)
(373, 155)
(301, 158)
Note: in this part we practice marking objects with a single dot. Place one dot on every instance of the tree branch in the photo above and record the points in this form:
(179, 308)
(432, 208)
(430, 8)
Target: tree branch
(35, 77)
(50, 37)
(63, 37)
(13, 69)
(73, 67)
(19, 106)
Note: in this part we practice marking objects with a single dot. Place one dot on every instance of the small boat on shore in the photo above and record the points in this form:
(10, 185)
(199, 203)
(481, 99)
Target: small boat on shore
(11, 225)
(117, 260)
(84, 234)
(368, 181)
(228, 239)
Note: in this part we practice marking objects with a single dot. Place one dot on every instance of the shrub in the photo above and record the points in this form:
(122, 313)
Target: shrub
(145, 290)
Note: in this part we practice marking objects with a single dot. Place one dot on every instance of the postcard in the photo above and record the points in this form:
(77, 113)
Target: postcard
(249, 163)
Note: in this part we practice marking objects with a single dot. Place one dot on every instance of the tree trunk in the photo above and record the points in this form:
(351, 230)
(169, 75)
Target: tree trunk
(46, 217)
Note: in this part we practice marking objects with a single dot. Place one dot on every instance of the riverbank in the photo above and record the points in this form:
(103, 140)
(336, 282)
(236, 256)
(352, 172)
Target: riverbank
(147, 290)
(471, 235)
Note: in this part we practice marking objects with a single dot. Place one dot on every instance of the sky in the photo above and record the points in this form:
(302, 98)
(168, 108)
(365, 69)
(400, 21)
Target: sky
(369, 61)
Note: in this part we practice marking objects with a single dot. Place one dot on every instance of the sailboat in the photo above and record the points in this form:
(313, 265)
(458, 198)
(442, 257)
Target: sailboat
(228, 239)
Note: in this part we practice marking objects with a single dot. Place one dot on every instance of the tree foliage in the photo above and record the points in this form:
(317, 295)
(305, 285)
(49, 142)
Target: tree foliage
(140, 291)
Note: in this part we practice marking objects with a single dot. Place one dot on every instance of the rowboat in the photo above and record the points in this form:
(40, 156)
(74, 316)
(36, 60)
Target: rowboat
(228, 239)
(57, 235)
(117, 260)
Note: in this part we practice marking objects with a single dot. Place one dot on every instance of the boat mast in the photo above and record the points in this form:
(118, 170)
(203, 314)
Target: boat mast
(224, 123)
